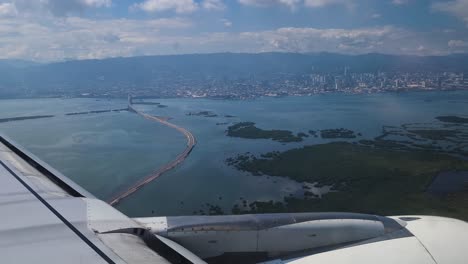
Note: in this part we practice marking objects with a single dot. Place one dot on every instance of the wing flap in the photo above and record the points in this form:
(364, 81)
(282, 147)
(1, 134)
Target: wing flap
(47, 218)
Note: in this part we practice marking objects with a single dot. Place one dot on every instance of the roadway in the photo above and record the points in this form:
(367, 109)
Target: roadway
(191, 141)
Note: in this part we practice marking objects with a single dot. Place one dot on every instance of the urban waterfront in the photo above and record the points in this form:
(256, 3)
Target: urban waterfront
(106, 152)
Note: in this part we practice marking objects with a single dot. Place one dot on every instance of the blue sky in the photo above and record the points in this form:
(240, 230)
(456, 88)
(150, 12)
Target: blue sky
(53, 30)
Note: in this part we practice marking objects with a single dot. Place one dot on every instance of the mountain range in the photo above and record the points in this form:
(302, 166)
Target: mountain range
(19, 78)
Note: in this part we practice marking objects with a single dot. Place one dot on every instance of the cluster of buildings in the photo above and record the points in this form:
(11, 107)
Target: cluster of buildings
(271, 84)
(315, 83)
(381, 81)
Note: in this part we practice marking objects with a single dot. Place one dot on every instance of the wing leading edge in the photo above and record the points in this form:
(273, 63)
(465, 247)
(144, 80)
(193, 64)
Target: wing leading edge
(46, 218)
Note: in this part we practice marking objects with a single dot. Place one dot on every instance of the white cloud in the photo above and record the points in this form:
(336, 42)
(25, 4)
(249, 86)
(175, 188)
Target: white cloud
(213, 5)
(264, 3)
(7, 10)
(179, 6)
(48, 38)
(456, 44)
(58, 7)
(376, 15)
(73, 37)
(97, 3)
(290, 3)
(321, 3)
(226, 22)
(399, 2)
(331, 40)
(294, 4)
(458, 8)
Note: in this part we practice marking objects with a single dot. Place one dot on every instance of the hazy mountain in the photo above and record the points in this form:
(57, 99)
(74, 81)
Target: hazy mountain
(20, 76)
(16, 63)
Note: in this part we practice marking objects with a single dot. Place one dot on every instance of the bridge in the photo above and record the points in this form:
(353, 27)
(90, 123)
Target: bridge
(191, 141)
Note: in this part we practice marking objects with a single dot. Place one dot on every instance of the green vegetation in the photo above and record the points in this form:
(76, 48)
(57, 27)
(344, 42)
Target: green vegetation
(337, 133)
(367, 179)
(388, 175)
(387, 144)
(203, 113)
(209, 209)
(249, 130)
(448, 138)
(453, 119)
(313, 133)
(410, 137)
(434, 134)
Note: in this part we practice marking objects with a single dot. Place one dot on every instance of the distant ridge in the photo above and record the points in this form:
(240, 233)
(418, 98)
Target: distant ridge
(13, 63)
(153, 70)
(324, 57)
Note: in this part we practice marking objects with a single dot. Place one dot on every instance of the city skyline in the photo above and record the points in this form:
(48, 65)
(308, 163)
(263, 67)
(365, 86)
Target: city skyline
(234, 76)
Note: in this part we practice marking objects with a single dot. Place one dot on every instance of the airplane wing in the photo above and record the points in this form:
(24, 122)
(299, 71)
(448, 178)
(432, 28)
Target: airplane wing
(429, 240)
(46, 218)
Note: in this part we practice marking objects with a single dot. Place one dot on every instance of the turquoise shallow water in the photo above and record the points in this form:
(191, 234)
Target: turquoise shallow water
(106, 152)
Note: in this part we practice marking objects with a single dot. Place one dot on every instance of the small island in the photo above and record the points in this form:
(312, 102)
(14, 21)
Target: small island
(249, 130)
(447, 138)
(364, 179)
(434, 134)
(313, 133)
(337, 133)
(453, 119)
(202, 113)
(209, 209)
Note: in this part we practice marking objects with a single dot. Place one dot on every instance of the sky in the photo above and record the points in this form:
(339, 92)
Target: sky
(56, 30)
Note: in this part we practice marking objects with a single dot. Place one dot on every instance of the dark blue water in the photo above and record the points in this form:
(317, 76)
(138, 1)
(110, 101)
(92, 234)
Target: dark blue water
(104, 152)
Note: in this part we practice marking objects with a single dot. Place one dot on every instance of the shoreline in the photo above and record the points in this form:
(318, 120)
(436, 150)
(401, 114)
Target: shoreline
(220, 98)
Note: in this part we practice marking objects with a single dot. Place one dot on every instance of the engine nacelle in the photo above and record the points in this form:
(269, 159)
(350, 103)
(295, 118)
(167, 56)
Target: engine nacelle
(273, 234)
